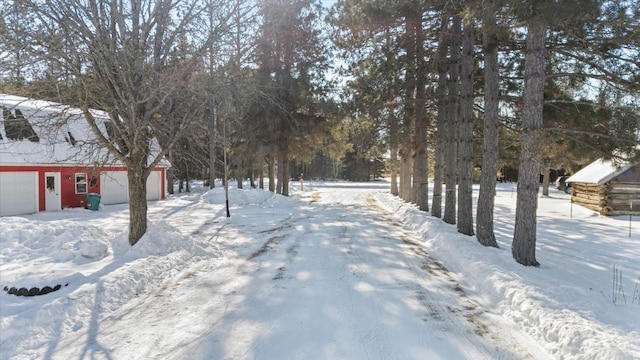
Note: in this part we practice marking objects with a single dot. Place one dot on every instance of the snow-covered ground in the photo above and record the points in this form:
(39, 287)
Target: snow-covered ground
(337, 271)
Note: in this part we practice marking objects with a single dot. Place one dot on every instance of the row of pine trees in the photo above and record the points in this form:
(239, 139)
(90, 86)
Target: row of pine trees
(443, 92)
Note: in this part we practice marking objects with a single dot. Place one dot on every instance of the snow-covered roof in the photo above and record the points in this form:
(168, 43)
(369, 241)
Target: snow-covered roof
(44, 132)
(599, 172)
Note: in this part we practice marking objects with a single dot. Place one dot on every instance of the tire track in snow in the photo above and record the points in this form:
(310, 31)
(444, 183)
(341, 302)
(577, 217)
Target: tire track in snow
(469, 308)
(373, 337)
(444, 317)
(408, 279)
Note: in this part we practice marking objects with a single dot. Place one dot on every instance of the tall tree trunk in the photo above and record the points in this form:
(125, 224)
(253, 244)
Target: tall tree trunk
(546, 173)
(442, 106)
(261, 161)
(451, 155)
(421, 160)
(394, 126)
(137, 181)
(465, 164)
(523, 247)
(272, 172)
(240, 172)
(171, 174)
(405, 171)
(421, 163)
(408, 193)
(187, 181)
(280, 176)
(286, 173)
(261, 174)
(486, 196)
(212, 144)
(393, 148)
(252, 178)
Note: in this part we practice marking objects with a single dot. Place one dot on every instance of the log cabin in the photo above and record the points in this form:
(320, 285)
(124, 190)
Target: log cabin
(607, 188)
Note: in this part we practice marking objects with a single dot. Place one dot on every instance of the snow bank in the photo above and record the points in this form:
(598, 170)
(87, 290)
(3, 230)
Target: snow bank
(519, 293)
(98, 272)
(243, 197)
(32, 252)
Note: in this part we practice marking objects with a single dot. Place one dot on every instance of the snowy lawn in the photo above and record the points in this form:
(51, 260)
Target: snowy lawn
(338, 271)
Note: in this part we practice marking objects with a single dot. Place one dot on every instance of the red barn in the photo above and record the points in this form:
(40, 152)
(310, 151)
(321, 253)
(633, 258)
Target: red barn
(49, 160)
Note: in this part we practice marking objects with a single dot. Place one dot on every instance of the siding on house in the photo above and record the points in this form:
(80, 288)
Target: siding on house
(48, 157)
(23, 189)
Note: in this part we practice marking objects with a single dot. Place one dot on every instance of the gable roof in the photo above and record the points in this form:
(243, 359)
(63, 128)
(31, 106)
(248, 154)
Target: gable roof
(599, 172)
(43, 132)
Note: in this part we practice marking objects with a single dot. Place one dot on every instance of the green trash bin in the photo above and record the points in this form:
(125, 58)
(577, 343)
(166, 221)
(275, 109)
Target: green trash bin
(93, 201)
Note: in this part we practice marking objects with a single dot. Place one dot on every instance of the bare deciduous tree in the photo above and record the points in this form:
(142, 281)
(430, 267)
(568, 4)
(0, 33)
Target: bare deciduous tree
(118, 53)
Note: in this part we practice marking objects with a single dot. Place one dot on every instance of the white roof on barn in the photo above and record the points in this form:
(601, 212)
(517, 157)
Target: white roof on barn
(599, 172)
(44, 132)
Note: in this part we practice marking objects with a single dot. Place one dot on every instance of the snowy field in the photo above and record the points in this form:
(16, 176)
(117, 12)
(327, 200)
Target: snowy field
(337, 271)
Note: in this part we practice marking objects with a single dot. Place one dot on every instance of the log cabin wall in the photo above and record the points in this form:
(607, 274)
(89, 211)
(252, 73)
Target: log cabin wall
(623, 194)
(619, 196)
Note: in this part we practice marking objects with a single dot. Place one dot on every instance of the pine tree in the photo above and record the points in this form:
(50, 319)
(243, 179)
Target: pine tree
(484, 218)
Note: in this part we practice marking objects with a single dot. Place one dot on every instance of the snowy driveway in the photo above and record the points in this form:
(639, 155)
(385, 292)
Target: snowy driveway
(325, 274)
(329, 277)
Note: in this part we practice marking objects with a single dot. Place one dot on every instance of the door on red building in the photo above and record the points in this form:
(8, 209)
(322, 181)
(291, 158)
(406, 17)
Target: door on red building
(52, 198)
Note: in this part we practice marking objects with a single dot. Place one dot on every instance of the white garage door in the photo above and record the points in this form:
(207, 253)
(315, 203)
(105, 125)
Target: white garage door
(18, 193)
(114, 188)
(153, 186)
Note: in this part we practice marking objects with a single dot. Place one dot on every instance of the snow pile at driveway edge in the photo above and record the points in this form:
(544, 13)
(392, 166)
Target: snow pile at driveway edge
(508, 289)
(99, 288)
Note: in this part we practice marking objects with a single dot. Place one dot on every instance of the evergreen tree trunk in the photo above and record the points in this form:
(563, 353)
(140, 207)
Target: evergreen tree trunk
(438, 169)
(272, 172)
(261, 161)
(421, 160)
(486, 197)
(187, 181)
(212, 144)
(421, 164)
(401, 170)
(465, 164)
(408, 193)
(442, 101)
(451, 155)
(252, 179)
(393, 160)
(240, 172)
(408, 174)
(280, 177)
(523, 247)
(394, 128)
(286, 174)
(261, 175)
(405, 171)
(545, 180)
